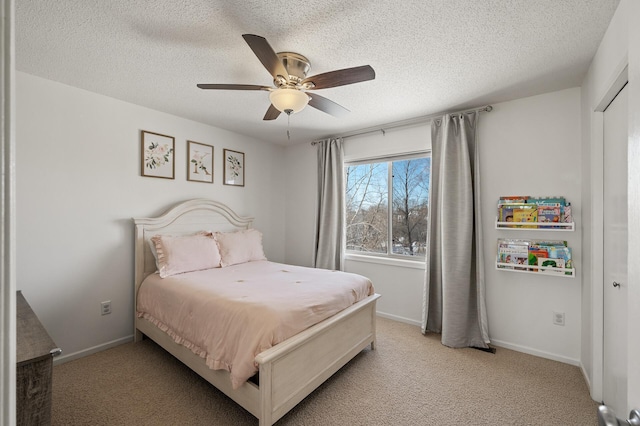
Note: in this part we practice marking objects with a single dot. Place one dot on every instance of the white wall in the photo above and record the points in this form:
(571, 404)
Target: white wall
(529, 146)
(406, 139)
(79, 185)
(401, 287)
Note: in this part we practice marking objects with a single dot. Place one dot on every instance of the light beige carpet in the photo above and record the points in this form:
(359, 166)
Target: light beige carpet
(410, 379)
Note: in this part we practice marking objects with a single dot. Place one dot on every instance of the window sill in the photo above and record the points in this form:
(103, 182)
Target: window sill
(383, 260)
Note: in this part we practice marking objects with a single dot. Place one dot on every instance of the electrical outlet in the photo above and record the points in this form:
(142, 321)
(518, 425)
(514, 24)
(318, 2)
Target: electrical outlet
(105, 307)
(558, 318)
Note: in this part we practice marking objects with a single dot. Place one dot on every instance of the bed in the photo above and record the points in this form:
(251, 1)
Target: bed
(287, 371)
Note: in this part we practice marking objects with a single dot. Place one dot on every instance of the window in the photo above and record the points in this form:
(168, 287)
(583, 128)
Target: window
(372, 227)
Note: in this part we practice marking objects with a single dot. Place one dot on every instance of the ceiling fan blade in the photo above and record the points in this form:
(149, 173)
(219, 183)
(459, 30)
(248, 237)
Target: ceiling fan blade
(341, 77)
(267, 55)
(326, 105)
(272, 113)
(233, 87)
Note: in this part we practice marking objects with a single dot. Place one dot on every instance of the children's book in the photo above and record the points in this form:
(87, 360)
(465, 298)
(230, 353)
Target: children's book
(549, 243)
(505, 211)
(535, 254)
(520, 258)
(563, 253)
(547, 200)
(526, 213)
(549, 213)
(512, 251)
(551, 263)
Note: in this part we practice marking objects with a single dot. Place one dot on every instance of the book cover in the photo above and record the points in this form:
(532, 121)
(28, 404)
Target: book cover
(559, 252)
(549, 213)
(525, 214)
(514, 254)
(551, 263)
(563, 253)
(505, 211)
(512, 251)
(535, 254)
(547, 200)
(520, 258)
(550, 243)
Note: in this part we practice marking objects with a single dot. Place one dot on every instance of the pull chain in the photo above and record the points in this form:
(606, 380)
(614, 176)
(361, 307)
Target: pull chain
(288, 112)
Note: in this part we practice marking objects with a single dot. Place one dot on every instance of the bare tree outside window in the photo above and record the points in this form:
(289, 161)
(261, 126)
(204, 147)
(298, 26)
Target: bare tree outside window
(373, 227)
(410, 206)
(367, 207)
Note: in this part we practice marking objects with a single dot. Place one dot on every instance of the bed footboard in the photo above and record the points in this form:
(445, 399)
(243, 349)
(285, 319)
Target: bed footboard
(293, 369)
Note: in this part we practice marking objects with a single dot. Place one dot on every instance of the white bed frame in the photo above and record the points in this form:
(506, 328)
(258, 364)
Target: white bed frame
(289, 371)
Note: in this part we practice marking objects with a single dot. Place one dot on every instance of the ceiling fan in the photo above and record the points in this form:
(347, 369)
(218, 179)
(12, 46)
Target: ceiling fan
(289, 71)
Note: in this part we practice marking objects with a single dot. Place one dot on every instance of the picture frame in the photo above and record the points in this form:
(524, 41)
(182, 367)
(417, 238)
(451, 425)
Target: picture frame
(233, 167)
(199, 162)
(157, 155)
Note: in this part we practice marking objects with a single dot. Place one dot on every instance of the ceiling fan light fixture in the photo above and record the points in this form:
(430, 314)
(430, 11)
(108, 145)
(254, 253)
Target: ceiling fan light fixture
(290, 82)
(288, 100)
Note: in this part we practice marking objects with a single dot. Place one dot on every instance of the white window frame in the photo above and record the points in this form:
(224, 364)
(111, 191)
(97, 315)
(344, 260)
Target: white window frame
(388, 258)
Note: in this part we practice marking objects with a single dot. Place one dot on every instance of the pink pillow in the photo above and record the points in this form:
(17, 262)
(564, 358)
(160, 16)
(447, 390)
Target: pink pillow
(240, 247)
(177, 255)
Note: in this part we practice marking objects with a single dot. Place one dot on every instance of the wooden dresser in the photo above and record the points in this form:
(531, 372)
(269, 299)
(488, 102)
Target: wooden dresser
(34, 359)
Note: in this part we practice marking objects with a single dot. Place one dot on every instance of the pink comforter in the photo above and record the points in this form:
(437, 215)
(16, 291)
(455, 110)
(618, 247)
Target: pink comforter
(229, 315)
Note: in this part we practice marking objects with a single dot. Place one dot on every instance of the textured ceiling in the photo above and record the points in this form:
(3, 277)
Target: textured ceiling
(430, 56)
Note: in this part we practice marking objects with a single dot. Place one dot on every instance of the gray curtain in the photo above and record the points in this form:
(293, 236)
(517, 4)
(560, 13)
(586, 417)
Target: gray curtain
(454, 301)
(330, 206)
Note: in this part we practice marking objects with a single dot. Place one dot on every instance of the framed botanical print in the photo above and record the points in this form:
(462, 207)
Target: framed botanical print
(233, 168)
(199, 162)
(157, 155)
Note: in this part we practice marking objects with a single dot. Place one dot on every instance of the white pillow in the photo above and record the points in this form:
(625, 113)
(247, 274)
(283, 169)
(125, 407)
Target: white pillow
(240, 247)
(177, 255)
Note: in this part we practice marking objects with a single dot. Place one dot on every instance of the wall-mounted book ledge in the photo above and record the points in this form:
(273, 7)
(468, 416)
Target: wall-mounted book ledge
(534, 213)
(535, 257)
(529, 269)
(537, 226)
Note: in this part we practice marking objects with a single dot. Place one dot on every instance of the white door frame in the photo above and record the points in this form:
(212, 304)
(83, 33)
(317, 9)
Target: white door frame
(7, 211)
(596, 287)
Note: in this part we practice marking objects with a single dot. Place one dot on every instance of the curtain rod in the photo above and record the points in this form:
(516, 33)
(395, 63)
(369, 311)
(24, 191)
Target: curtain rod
(418, 120)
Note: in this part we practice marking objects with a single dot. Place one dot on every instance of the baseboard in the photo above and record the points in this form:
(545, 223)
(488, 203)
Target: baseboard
(586, 377)
(85, 352)
(541, 354)
(399, 319)
(506, 345)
